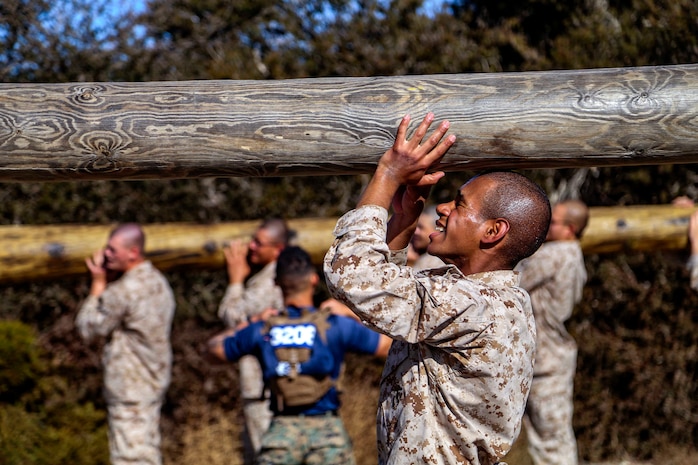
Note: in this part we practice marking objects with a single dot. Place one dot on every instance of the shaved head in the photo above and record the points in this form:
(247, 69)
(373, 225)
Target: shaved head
(576, 215)
(524, 205)
(278, 230)
(131, 234)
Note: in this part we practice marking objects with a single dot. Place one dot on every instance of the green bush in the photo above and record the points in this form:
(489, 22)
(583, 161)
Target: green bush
(20, 365)
(40, 421)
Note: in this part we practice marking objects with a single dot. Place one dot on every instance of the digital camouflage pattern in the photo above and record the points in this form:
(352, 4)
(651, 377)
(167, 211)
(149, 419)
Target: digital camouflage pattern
(134, 433)
(257, 294)
(554, 277)
(135, 314)
(239, 303)
(309, 440)
(456, 380)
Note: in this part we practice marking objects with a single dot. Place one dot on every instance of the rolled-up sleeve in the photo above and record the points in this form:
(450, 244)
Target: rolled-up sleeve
(243, 301)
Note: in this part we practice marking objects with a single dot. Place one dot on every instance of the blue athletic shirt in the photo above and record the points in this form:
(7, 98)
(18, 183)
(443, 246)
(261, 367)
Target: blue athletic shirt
(343, 335)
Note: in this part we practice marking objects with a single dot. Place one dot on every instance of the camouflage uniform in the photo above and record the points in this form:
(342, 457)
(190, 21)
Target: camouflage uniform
(693, 268)
(311, 440)
(456, 380)
(135, 314)
(239, 303)
(554, 277)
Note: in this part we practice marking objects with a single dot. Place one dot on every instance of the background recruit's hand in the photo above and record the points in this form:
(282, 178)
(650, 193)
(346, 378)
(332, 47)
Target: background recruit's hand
(264, 315)
(683, 201)
(338, 308)
(236, 261)
(95, 263)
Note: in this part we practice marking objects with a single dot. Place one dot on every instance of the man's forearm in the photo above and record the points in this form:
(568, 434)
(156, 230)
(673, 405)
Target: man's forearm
(401, 179)
(230, 309)
(98, 285)
(400, 231)
(380, 190)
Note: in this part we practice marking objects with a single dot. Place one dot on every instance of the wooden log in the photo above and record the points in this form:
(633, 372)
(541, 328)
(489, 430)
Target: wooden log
(54, 251)
(636, 228)
(158, 130)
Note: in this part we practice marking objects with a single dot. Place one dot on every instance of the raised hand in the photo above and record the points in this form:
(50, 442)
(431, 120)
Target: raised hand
(236, 261)
(410, 158)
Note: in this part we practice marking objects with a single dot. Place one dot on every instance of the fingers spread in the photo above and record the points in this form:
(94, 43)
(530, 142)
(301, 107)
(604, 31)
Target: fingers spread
(422, 129)
(402, 128)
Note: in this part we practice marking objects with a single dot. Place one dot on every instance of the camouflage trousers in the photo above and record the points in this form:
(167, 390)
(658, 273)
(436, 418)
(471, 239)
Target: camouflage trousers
(313, 440)
(548, 419)
(255, 408)
(134, 433)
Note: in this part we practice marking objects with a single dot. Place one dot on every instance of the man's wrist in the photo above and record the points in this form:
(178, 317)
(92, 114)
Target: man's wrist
(400, 230)
(99, 284)
(380, 190)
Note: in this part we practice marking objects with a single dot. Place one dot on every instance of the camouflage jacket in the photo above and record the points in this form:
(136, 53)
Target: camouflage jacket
(135, 314)
(257, 294)
(455, 383)
(554, 277)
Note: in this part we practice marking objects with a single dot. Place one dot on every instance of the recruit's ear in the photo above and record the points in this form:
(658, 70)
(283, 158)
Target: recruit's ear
(495, 230)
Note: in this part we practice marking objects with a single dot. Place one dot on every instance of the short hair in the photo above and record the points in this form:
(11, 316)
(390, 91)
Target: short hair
(576, 215)
(278, 230)
(132, 234)
(524, 205)
(293, 270)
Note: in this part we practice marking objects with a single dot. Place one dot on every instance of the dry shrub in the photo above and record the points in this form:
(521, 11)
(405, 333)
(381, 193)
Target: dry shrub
(360, 392)
(637, 383)
(212, 440)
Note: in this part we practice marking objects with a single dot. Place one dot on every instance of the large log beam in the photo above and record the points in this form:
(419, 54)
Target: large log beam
(636, 228)
(53, 251)
(157, 130)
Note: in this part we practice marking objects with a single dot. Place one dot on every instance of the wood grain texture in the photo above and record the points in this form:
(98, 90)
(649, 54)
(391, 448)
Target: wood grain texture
(54, 251)
(158, 130)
